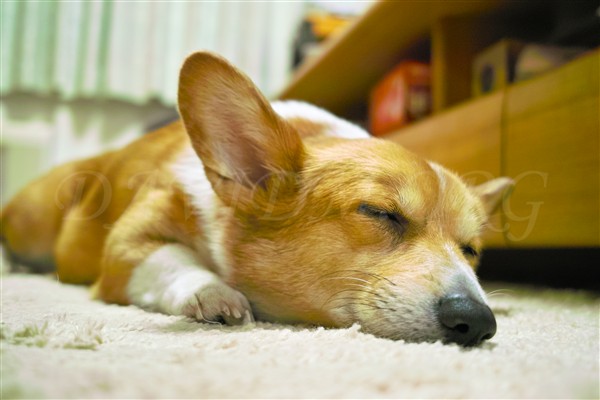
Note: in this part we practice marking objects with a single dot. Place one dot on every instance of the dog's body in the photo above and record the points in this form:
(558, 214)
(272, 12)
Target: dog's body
(282, 211)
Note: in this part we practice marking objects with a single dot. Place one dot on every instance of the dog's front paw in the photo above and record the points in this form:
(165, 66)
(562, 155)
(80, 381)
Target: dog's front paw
(217, 302)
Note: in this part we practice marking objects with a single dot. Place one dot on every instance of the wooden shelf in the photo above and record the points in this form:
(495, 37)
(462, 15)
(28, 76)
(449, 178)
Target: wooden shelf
(544, 132)
(474, 149)
(551, 145)
(341, 78)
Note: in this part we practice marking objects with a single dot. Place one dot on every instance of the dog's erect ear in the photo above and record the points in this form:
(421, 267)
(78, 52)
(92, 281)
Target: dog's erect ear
(493, 192)
(242, 142)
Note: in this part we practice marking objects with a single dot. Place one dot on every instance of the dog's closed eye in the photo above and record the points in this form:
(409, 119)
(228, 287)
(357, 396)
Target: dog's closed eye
(391, 219)
(469, 251)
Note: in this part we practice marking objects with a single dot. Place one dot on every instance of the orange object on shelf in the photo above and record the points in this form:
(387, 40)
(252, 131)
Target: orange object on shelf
(402, 96)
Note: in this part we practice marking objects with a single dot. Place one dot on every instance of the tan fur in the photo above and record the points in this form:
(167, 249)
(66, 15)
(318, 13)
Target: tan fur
(80, 214)
(289, 201)
(326, 209)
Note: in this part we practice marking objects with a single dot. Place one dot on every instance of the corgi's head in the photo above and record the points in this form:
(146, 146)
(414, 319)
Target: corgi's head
(330, 230)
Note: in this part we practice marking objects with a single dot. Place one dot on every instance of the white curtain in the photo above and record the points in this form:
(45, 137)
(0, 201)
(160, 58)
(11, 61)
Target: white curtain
(77, 77)
(132, 50)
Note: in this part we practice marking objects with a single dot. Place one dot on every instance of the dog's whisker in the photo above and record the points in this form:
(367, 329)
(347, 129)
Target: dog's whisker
(333, 296)
(358, 285)
(376, 276)
(498, 295)
(351, 300)
(349, 281)
(363, 288)
(360, 289)
(346, 277)
(372, 306)
(371, 274)
(500, 292)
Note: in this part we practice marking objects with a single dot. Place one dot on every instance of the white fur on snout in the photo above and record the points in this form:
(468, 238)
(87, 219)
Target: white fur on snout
(405, 305)
(400, 310)
(464, 276)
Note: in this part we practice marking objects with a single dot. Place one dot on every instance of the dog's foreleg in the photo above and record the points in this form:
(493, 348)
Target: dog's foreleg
(146, 263)
(171, 280)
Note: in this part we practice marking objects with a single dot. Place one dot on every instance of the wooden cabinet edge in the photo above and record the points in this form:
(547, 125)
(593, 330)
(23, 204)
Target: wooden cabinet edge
(512, 104)
(578, 78)
(374, 44)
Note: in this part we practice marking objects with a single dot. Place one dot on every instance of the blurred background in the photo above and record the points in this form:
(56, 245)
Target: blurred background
(486, 88)
(79, 77)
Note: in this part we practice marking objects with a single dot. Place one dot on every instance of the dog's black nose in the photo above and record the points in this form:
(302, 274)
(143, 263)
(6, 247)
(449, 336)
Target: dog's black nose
(466, 321)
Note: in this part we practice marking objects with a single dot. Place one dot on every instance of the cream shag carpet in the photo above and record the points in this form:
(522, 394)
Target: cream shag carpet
(56, 343)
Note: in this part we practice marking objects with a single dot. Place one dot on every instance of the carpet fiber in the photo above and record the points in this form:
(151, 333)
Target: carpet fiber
(57, 343)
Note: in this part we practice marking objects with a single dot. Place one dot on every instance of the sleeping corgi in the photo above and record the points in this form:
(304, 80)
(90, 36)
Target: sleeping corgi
(280, 212)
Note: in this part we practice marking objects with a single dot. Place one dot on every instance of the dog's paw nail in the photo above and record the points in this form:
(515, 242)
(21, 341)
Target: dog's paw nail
(236, 313)
(219, 302)
(226, 311)
(248, 317)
